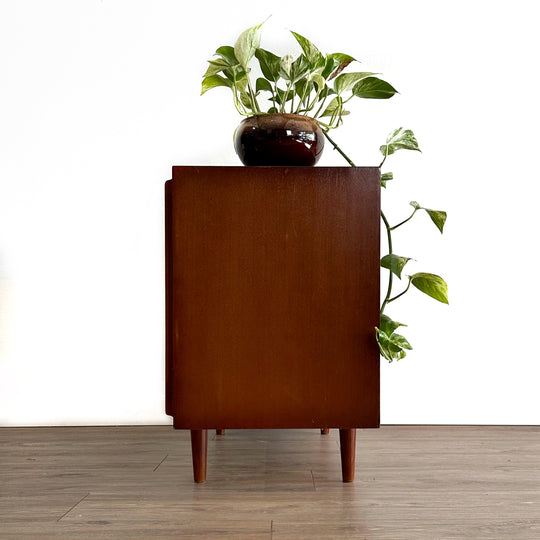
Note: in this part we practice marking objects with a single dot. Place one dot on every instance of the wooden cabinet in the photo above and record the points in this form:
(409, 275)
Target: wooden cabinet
(272, 296)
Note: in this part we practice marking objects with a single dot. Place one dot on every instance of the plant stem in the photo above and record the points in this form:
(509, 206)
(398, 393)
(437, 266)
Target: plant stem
(322, 124)
(292, 104)
(385, 156)
(401, 293)
(304, 100)
(386, 224)
(237, 104)
(404, 221)
(390, 275)
(274, 93)
(285, 96)
(319, 110)
(347, 159)
(253, 98)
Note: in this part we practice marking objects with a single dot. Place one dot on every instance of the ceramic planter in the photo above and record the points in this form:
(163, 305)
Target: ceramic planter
(279, 139)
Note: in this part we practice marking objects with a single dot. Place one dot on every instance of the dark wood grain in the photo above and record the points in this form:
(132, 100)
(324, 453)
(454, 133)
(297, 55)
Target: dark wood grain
(273, 295)
(199, 445)
(347, 443)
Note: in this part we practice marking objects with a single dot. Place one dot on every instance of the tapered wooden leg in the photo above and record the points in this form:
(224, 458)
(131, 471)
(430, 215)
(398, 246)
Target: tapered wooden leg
(347, 439)
(199, 444)
(325, 431)
(220, 432)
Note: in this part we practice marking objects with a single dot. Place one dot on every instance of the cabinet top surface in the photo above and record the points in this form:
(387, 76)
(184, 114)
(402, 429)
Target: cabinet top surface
(244, 167)
(257, 174)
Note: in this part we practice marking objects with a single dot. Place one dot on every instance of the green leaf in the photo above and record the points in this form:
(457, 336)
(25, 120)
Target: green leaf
(326, 91)
(300, 68)
(263, 84)
(215, 66)
(244, 98)
(346, 81)
(335, 63)
(388, 325)
(335, 107)
(392, 347)
(213, 81)
(285, 66)
(394, 263)
(313, 56)
(234, 73)
(340, 67)
(246, 45)
(400, 341)
(386, 177)
(437, 216)
(385, 345)
(283, 95)
(399, 139)
(269, 63)
(303, 86)
(227, 53)
(432, 285)
(319, 81)
(374, 88)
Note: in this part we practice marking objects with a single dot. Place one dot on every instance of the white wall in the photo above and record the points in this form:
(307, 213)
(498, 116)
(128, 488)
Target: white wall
(99, 98)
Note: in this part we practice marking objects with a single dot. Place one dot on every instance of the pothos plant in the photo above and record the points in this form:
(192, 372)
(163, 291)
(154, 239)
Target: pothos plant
(315, 85)
(312, 84)
(392, 345)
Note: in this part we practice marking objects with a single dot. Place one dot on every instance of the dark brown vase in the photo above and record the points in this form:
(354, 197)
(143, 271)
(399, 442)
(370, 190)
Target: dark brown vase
(279, 139)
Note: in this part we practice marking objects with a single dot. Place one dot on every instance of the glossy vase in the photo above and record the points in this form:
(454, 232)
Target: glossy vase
(279, 139)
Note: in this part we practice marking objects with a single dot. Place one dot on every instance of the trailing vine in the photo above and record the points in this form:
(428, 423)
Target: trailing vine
(393, 346)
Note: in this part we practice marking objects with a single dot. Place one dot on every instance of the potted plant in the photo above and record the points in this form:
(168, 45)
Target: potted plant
(306, 98)
(293, 103)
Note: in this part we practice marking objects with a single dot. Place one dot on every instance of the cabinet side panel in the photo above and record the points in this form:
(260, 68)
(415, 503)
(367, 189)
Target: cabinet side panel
(168, 315)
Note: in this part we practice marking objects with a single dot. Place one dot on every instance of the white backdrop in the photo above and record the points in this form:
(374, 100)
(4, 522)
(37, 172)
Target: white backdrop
(99, 98)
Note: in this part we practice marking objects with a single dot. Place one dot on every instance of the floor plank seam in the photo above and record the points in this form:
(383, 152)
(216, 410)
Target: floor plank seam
(157, 466)
(76, 504)
(412, 484)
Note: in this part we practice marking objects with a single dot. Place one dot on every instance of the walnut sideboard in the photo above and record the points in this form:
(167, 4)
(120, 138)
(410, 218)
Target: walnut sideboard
(272, 297)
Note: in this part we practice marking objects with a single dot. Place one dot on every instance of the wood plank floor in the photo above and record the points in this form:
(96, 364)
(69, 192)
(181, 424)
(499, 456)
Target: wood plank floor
(412, 482)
